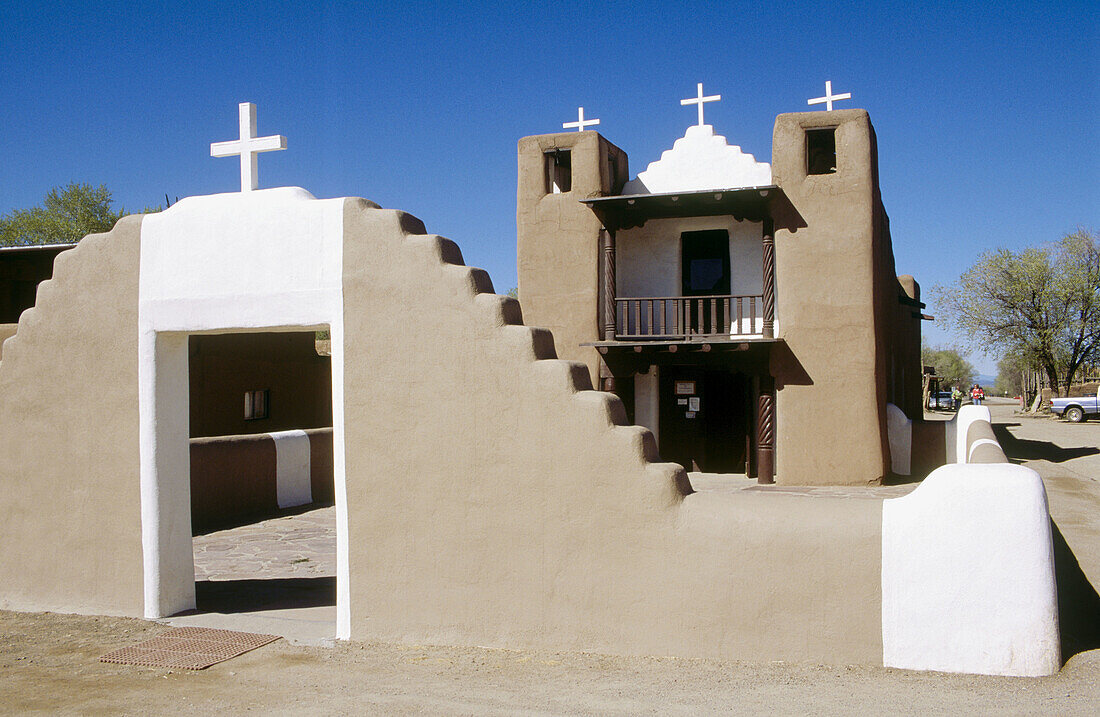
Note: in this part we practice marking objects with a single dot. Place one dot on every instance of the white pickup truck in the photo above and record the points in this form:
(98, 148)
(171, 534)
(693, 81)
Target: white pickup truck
(1076, 409)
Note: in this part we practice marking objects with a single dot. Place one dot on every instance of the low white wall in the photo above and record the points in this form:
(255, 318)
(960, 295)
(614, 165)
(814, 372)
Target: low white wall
(966, 416)
(968, 581)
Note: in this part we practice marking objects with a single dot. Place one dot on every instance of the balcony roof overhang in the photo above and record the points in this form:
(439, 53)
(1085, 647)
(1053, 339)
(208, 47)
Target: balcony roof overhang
(633, 210)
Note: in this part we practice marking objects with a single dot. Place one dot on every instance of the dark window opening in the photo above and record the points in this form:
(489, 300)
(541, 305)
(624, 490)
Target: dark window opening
(705, 260)
(255, 405)
(821, 151)
(559, 171)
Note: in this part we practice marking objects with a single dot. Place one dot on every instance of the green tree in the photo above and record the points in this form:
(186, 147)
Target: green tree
(1041, 304)
(1010, 370)
(66, 215)
(951, 367)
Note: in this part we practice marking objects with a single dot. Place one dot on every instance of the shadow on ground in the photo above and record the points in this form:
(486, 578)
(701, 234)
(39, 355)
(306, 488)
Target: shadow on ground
(1022, 449)
(236, 596)
(237, 521)
(1078, 603)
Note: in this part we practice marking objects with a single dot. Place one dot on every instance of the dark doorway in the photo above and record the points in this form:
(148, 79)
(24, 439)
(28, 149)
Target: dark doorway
(705, 268)
(705, 419)
(262, 474)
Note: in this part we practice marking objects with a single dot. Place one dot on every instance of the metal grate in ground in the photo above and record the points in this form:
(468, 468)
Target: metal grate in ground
(188, 648)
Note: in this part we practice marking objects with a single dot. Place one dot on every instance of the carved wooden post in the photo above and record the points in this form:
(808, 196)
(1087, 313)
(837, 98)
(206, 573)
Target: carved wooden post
(765, 435)
(607, 378)
(769, 281)
(608, 238)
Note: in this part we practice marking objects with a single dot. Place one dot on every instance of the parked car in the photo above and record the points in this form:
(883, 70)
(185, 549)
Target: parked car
(1075, 409)
(941, 399)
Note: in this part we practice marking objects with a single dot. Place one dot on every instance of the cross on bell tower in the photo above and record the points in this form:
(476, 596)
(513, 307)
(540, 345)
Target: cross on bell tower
(699, 100)
(581, 122)
(248, 146)
(829, 97)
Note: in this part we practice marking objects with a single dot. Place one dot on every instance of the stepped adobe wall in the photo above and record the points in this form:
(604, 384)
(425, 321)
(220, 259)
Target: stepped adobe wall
(70, 518)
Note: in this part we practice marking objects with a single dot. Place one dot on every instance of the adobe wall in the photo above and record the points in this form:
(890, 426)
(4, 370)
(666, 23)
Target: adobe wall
(494, 499)
(558, 240)
(485, 494)
(906, 349)
(235, 479)
(70, 517)
(827, 277)
(6, 331)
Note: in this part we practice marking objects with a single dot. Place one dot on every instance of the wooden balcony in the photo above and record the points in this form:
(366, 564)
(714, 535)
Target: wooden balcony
(682, 318)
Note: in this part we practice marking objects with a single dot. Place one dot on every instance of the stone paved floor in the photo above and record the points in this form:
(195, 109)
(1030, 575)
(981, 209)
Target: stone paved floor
(292, 546)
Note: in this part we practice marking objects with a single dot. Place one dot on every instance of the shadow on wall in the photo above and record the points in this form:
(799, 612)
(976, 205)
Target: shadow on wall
(787, 369)
(1019, 450)
(1078, 603)
(235, 596)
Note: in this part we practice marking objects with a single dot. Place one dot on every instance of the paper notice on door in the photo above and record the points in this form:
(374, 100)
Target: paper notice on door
(689, 414)
(693, 403)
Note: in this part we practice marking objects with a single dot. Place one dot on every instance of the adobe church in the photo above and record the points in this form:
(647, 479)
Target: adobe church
(485, 492)
(749, 315)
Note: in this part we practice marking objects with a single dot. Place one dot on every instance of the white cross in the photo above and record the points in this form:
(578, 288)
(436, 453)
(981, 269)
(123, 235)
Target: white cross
(829, 97)
(248, 146)
(699, 100)
(581, 122)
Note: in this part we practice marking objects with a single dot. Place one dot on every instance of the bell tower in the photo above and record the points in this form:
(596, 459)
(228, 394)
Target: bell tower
(558, 238)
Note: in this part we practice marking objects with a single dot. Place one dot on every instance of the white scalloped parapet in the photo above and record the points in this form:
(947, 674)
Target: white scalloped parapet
(700, 160)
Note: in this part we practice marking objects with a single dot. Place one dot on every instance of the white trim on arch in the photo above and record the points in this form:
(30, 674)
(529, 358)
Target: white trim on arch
(269, 260)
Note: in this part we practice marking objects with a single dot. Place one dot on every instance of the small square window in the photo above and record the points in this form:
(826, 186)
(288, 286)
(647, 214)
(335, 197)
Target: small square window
(255, 405)
(559, 171)
(821, 151)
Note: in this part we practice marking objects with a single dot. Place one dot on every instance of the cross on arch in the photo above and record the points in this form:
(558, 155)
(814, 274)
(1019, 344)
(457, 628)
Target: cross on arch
(699, 100)
(248, 146)
(829, 97)
(581, 122)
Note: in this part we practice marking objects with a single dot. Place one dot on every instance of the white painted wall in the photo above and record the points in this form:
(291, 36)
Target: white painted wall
(647, 259)
(293, 480)
(968, 580)
(966, 416)
(701, 160)
(255, 261)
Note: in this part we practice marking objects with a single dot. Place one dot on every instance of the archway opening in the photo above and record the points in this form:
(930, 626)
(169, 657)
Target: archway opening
(262, 496)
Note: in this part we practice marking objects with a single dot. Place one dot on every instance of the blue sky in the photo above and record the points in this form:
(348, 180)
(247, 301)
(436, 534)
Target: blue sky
(986, 116)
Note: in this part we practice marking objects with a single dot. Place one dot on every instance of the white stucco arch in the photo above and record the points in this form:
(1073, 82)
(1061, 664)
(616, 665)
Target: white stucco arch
(244, 262)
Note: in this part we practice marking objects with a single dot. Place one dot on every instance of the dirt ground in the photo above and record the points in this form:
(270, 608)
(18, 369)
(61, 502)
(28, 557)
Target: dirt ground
(49, 663)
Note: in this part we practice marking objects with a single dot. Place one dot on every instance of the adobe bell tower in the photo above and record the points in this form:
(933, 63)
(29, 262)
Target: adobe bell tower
(558, 238)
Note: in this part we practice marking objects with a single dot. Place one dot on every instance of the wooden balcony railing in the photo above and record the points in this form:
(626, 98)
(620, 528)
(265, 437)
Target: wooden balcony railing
(686, 317)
